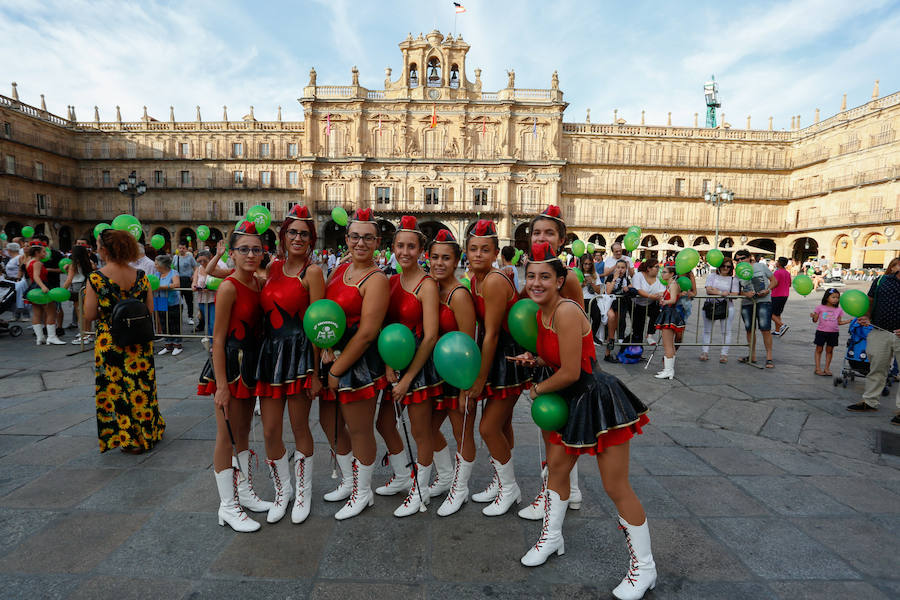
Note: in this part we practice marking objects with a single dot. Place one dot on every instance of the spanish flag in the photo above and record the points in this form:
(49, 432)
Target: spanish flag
(459, 7)
(434, 115)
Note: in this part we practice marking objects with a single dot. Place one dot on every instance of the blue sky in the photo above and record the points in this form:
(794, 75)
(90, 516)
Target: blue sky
(770, 58)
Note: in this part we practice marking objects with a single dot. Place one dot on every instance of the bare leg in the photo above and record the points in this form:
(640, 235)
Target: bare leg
(420, 424)
(767, 341)
(328, 413)
(272, 413)
(237, 416)
(668, 340)
(298, 413)
(387, 424)
(829, 351)
(559, 466)
(494, 418)
(613, 463)
(818, 358)
(438, 440)
(464, 432)
(360, 417)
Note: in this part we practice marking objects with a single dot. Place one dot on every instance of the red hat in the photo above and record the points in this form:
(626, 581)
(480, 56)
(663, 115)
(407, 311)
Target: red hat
(484, 228)
(246, 228)
(552, 212)
(541, 252)
(299, 212)
(445, 237)
(364, 215)
(409, 223)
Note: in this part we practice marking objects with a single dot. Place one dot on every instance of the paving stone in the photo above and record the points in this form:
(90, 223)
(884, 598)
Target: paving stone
(183, 535)
(678, 589)
(722, 390)
(14, 443)
(15, 476)
(243, 589)
(861, 494)
(683, 549)
(375, 591)
(16, 525)
(791, 496)
(128, 588)
(595, 554)
(136, 490)
(197, 494)
(21, 385)
(775, 549)
(735, 461)
(60, 488)
(860, 541)
(66, 378)
(689, 436)
(492, 546)
(798, 463)
(45, 587)
(656, 499)
(785, 424)
(670, 460)
(48, 424)
(514, 590)
(652, 436)
(275, 553)
(712, 497)
(188, 455)
(353, 543)
(686, 403)
(51, 451)
(815, 590)
(75, 543)
(737, 415)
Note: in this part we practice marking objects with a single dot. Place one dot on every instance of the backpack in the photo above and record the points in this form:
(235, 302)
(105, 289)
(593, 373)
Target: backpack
(630, 355)
(131, 322)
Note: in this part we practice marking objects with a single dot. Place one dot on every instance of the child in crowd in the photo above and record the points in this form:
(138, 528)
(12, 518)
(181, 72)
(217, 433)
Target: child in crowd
(828, 317)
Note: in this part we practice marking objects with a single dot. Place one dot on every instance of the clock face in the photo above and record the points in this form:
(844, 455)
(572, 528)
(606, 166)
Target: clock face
(434, 94)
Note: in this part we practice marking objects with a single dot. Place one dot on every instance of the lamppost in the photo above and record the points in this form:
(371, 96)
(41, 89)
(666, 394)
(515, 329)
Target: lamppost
(132, 188)
(718, 198)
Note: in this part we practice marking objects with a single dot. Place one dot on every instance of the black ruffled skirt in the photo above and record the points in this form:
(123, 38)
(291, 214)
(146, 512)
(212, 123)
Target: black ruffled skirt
(364, 379)
(506, 379)
(286, 363)
(241, 358)
(671, 317)
(426, 385)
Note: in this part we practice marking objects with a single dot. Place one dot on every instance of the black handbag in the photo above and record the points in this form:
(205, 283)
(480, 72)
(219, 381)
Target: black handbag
(715, 309)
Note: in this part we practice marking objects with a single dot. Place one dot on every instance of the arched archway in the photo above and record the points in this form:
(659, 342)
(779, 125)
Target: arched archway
(184, 234)
(387, 230)
(522, 237)
(874, 258)
(620, 238)
(725, 244)
(843, 250)
(701, 240)
(649, 241)
(431, 228)
(88, 234)
(570, 237)
(676, 240)
(332, 235)
(804, 248)
(598, 240)
(767, 244)
(65, 238)
(268, 240)
(214, 236)
(167, 246)
(12, 229)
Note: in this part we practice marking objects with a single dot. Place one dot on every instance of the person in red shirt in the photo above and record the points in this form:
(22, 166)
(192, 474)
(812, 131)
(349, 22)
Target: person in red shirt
(780, 294)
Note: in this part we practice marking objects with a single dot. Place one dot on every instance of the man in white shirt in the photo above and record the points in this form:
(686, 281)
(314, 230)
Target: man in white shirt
(14, 273)
(609, 265)
(143, 263)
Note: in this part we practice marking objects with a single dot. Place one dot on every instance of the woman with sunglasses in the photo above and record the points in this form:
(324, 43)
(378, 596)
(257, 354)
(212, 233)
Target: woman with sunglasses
(230, 375)
(287, 370)
(456, 313)
(724, 287)
(355, 371)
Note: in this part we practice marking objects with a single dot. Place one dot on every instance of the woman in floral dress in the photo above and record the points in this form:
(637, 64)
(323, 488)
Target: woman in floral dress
(127, 412)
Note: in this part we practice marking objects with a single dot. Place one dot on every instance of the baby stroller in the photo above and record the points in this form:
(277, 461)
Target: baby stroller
(8, 303)
(856, 360)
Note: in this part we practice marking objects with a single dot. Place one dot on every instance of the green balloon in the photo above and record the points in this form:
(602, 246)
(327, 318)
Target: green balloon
(157, 241)
(154, 281)
(591, 248)
(715, 258)
(339, 215)
(260, 216)
(399, 268)
(550, 412)
(855, 303)
(28, 231)
(397, 346)
(47, 256)
(579, 274)
(522, 322)
(128, 223)
(212, 283)
(37, 296)
(803, 285)
(3, 235)
(324, 323)
(517, 256)
(465, 281)
(65, 263)
(578, 248)
(686, 260)
(631, 241)
(684, 283)
(457, 359)
(99, 227)
(202, 233)
(744, 270)
(59, 294)
(635, 230)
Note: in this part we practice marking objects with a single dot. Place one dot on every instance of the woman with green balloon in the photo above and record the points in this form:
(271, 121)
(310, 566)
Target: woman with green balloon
(671, 319)
(414, 304)
(356, 372)
(77, 271)
(594, 414)
(457, 359)
(37, 293)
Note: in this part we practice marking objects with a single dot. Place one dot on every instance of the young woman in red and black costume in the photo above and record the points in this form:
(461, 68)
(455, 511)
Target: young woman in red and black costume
(287, 370)
(230, 375)
(413, 303)
(670, 321)
(355, 371)
(500, 381)
(548, 227)
(603, 416)
(456, 313)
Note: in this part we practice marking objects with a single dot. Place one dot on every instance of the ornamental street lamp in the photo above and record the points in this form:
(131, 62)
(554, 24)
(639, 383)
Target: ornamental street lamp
(132, 188)
(717, 198)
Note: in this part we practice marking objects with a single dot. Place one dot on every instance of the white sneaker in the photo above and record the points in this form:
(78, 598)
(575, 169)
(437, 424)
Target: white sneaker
(190, 321)
(177, 351)
(163, 351)
(205, 343)
(77, 340)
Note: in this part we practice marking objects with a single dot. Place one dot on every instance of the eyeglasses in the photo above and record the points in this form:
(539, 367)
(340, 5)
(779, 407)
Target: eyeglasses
(294, 233)
(728, 266)
(245, 250)
(355, 238)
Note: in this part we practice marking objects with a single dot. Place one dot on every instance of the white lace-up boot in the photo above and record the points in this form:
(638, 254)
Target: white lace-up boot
(443, 464)
(535, 510)
(508, 492)
(247, 494)
(459, 488)
(345, 487)
(303, 487)
(641, 574)
(413, 502)
(39, 337)
(668, 371)
(551, 539)
(280, 471)
(230, 510)
(401, 480)
(574, 490)
(52, 338)
(362, 495)
(489, 493)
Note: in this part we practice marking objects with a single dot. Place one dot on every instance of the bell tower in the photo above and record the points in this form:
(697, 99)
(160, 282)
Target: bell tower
(434, 68)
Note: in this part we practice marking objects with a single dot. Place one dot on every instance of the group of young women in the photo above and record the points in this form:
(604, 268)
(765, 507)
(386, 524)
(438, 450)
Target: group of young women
(260, 349)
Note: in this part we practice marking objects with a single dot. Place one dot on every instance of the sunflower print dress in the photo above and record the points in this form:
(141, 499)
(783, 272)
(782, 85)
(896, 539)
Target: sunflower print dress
(125, 378)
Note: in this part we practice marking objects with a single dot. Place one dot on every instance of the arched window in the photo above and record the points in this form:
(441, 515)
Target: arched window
(434, 72)
(413, 75)
(454, 76)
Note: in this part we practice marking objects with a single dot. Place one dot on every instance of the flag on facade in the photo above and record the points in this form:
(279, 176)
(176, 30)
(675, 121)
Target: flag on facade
(459, 7)
(534, 128)
(434, 115)
(328, 126)
(483, 125)
(379, 124)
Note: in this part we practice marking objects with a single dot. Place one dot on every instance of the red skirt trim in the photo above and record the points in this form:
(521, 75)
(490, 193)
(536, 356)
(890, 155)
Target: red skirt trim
(607, 439)
(363, 393)
(237, 388)
(675, 328)
(513, 391)
(423, 394)
(291, 388)
(446, 403)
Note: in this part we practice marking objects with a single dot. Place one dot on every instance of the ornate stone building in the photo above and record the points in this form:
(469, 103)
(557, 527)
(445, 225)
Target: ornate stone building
(434, 144)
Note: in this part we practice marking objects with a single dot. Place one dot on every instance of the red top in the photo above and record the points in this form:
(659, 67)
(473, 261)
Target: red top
(446, 316)
(479, 299)
(405, 307)
(347, 296)
(782, 283)
(284, 297)
(246, 312)
(29, 268)
(548, 346)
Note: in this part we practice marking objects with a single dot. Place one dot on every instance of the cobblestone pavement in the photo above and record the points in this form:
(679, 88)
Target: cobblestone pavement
(758, 484)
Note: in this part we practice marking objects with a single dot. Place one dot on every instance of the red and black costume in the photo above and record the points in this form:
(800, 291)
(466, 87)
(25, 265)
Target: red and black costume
(671, 316)
(506, 379)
